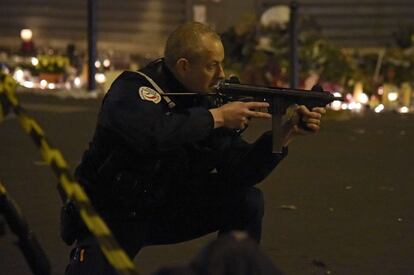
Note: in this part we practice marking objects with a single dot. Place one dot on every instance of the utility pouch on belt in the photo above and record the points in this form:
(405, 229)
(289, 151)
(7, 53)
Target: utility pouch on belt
(125, 181)
(70, 223)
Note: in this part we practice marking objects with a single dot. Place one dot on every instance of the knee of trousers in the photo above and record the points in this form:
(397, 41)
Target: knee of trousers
(253, 202)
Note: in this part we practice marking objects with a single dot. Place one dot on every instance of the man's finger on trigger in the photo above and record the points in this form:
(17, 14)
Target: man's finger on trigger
(254, 104)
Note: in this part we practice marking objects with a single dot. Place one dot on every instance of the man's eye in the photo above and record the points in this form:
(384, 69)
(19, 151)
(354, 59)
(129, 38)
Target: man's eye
(211, 67)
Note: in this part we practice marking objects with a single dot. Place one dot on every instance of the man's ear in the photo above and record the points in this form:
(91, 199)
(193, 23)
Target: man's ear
(182, 66)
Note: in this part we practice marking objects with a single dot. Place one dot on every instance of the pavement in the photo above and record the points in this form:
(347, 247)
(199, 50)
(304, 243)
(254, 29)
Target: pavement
(340, 203)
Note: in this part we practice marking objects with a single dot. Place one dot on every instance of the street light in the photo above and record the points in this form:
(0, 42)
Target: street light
(26, 35)
(27, 47)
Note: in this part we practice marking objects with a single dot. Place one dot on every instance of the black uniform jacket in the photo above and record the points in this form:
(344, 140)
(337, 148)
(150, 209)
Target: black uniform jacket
(144, 152)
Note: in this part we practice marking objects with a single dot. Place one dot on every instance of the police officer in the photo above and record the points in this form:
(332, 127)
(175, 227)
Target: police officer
(165, 169)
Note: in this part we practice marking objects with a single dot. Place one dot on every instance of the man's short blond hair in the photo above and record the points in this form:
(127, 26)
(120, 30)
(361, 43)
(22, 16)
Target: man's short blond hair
(186, 42)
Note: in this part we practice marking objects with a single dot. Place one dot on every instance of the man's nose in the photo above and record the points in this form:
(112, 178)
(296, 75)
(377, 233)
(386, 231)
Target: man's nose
(220, 72)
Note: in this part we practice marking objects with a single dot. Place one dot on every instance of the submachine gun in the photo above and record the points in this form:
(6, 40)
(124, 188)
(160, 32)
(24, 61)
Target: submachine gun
(279, 99)
(27, 241)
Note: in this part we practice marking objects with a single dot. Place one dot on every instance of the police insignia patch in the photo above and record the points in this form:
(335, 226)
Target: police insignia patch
(146, 93)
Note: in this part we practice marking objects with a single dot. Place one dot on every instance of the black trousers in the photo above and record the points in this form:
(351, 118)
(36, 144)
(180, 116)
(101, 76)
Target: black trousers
(183, 218)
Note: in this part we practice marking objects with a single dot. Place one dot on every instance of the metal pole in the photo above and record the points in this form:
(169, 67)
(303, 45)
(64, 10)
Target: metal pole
(293, 45)
(258, 8)
(189, 10)
(91, 44)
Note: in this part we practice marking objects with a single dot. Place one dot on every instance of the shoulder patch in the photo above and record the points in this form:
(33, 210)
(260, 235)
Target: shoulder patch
(146, 93)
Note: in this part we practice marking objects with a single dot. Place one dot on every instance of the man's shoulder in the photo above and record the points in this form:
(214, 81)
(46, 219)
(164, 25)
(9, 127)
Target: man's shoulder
(130, 78)
(129, 82)
(132, 89)
(139, 88)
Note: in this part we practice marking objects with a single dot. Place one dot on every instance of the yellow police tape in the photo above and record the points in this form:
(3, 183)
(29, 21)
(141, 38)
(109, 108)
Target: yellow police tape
(117, 257)
(2, 189)
(2, 113)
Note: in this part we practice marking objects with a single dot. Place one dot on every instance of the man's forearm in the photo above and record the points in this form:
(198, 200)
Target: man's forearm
(255, 164)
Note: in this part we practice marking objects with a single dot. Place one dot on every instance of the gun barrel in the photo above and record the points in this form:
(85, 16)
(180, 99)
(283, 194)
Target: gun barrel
(256, 91)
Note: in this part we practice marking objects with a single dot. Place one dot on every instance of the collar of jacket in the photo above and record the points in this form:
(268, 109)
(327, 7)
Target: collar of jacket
(160, 73)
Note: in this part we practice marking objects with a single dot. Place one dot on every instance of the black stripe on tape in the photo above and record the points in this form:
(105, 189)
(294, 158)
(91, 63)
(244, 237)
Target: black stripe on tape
(5, 104)
(59, 170)
(37, 137)
(87, 207)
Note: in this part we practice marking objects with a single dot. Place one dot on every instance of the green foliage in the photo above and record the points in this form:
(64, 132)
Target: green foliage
(251, 44)
(398, 66)
(52, 64)
(254, 52)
